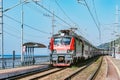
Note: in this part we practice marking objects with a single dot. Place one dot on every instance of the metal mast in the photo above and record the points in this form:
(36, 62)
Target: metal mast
(117, 15)
(22, 13)
(117, 28)
(53, 24)
(1, 31)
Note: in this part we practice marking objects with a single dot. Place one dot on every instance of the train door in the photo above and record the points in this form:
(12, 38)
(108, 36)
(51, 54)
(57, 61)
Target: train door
(79, 48)
(86, 51)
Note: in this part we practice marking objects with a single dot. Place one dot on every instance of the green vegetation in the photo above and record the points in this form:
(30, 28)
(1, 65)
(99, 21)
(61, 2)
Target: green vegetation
(74, 67)
(108, 45)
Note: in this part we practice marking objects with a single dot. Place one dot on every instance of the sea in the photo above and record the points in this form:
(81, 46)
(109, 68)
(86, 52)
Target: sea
(9, 62)
(18, 56)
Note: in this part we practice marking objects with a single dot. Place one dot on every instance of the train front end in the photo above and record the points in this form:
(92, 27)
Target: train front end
(62, 50)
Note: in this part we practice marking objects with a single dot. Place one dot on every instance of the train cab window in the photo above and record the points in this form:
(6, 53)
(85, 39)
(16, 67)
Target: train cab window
(66, 40)
(62, 40)
(57, 41)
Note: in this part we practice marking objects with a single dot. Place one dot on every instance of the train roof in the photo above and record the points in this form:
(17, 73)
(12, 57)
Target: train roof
(70, 32)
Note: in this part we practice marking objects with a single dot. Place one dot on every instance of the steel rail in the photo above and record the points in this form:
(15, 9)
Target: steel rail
(75, 73)
(78, 71)
(36, 78)
(28, 73)
(94, 75)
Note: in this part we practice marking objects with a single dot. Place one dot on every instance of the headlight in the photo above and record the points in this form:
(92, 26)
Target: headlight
(69, 51)
(54, 51)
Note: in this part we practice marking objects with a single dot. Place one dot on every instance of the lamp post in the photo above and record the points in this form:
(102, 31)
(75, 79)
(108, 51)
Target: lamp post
(22, 28)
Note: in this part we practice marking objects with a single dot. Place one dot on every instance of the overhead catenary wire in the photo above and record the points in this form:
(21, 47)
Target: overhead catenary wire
(99, 24)
(52, 14)
(64, 12)
(28, 34)
(8, 26)
(14, 6)
(93, 19)
(35, 9)
(13, 35)
(26, 25)
(96, 12)
(75, 24)
(59, 17)
(19, 21)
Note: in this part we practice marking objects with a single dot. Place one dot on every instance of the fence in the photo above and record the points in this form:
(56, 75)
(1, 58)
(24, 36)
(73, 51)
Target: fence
(6, 63)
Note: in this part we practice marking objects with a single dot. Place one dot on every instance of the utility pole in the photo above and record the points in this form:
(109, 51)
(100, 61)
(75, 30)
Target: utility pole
(114, 48)
(53, 23)
(22, 28)
(117, 30)
(111, 48)
(1, 31)
(117, 17)
(22, 13)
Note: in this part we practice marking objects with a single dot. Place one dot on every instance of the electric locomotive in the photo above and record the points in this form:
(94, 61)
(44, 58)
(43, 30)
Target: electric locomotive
(67, 47)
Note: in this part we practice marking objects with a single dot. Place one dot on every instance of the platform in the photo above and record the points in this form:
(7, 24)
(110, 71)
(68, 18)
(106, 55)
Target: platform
(5, 73)
(116, 63)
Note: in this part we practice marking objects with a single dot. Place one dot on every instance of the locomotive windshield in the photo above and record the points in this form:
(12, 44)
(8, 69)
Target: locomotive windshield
(62, 40)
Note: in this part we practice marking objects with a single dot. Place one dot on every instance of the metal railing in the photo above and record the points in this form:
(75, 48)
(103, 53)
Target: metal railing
(6, 63)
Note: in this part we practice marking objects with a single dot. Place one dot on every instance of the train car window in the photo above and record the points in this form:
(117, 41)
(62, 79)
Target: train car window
(119, 48)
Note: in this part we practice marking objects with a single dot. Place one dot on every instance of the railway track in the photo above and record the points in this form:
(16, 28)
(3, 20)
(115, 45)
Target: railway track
(36, 74)
(95, 73)
(41, 75)
(92, 76)
(53, 73)
(29, 74)
(75, 73)
(66, 73)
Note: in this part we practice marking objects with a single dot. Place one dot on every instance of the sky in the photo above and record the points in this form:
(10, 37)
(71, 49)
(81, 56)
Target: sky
(74, 13)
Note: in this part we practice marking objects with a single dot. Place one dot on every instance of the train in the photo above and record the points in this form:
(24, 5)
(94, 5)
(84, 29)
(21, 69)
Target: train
(67, 48)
